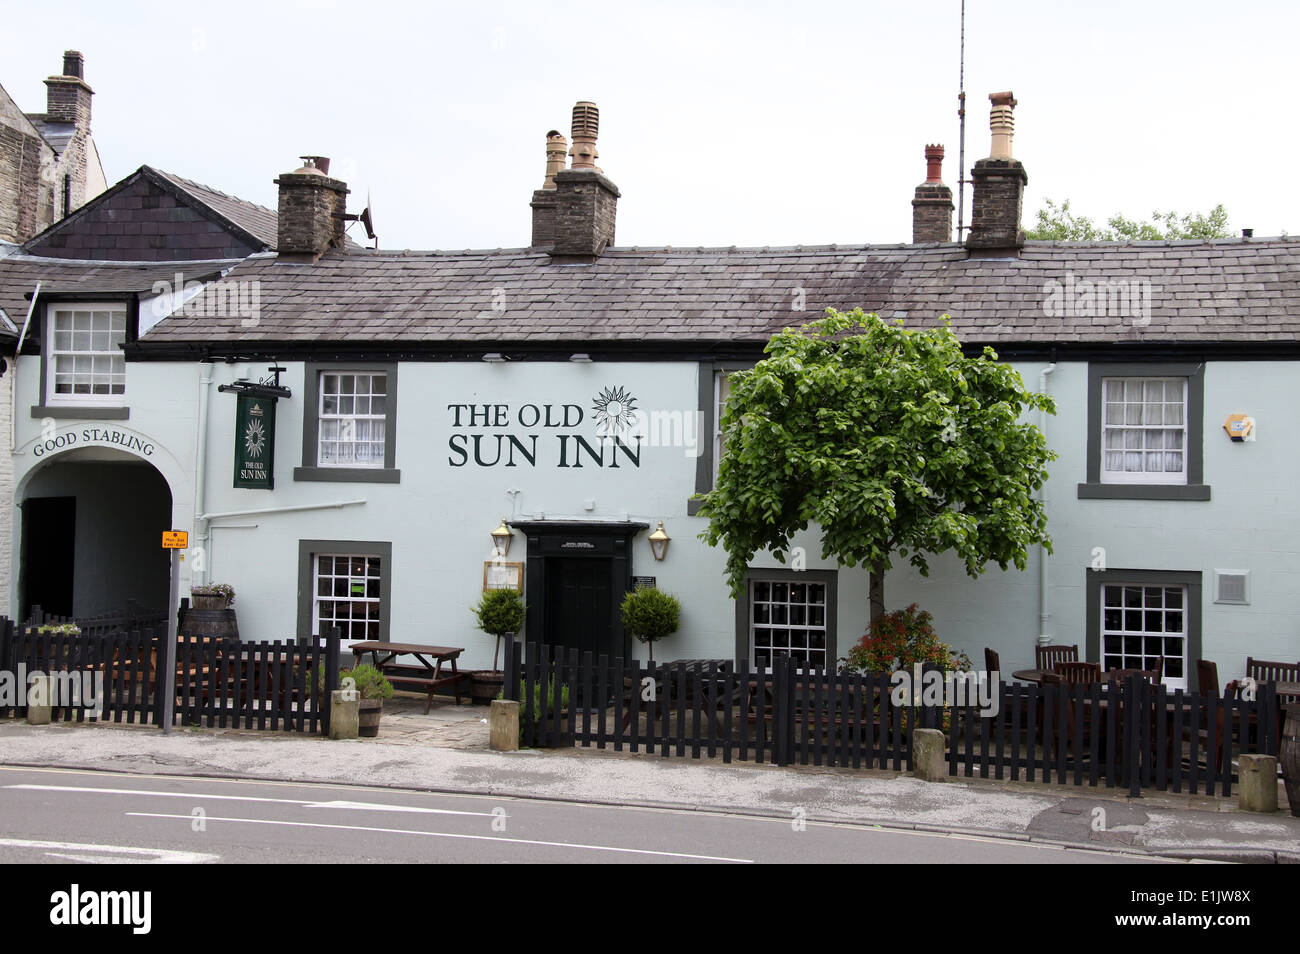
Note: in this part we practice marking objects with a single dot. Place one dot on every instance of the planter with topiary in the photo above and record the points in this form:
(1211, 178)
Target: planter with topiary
(499, 613)
(650, 615)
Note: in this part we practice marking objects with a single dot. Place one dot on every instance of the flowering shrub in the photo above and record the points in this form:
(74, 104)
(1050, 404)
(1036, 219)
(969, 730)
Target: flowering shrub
(900, 639)
(60, 629)
(224, 590)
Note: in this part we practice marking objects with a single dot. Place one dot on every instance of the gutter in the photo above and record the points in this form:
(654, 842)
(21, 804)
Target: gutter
(1044, 616)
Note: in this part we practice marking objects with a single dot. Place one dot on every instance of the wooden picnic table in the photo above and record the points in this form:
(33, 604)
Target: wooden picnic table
(428, 674)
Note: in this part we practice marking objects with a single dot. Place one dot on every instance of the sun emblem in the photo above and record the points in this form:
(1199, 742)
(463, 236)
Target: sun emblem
(615, 411)
(254, 439)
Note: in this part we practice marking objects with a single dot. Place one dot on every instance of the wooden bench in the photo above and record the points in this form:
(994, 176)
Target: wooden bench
(428, 675)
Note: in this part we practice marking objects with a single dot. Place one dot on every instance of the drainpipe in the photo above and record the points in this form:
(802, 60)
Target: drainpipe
(1044, 637)
(200, 477)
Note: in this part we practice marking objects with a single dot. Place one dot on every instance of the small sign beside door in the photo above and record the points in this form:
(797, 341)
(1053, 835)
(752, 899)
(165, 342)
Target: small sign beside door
(643, 583)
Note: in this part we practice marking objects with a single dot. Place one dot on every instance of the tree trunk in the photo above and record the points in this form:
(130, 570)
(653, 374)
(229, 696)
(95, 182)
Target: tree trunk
(877, 594)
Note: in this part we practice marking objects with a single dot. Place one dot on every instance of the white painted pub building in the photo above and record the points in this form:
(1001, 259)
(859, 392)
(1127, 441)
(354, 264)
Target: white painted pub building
(573, 389)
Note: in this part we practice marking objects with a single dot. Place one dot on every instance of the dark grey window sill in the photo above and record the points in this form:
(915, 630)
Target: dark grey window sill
(90, 413)
(693, 507)
(1144, 491)
(350, 475)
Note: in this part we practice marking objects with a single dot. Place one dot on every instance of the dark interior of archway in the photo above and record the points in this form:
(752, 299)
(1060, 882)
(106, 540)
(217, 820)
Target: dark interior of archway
(91, 538)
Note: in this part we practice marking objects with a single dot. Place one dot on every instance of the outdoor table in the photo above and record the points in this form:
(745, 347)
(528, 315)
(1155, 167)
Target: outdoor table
(428, 674)
(1031, 675)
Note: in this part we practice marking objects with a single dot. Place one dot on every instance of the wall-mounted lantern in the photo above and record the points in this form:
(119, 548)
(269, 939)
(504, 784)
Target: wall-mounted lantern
(501, 539)
(659, 542)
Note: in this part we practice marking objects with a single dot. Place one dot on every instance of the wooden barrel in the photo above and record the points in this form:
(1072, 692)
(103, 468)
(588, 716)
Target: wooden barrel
(212, 622)
(1288, 756)
(368, 717)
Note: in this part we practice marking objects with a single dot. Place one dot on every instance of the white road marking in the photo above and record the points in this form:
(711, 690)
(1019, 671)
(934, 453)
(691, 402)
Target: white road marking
(113, 854)
(440, 834)
(207, 796)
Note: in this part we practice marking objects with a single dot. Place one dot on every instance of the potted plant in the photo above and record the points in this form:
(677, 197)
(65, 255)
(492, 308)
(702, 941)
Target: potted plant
(210, 612)
(212, 596)
(373, 688)
(499, 612)
(650, 615)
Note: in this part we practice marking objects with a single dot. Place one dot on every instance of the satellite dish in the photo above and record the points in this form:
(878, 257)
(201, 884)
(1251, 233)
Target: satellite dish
(365, 218)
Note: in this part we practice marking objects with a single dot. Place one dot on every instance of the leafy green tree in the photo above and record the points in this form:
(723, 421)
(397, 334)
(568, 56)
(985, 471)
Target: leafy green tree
(651, 614)
(1057, 223)
(889, 440)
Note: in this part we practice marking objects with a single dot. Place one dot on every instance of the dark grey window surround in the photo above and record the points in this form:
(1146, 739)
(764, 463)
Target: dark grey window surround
(1195, 488)
(73, 411)
(829, 577)
(306, 584)
(388, 474)
(1191, 579)
(704, 463)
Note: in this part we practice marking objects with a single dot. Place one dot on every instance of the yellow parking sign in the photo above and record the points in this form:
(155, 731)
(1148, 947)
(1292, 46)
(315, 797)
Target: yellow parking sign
(176, 539)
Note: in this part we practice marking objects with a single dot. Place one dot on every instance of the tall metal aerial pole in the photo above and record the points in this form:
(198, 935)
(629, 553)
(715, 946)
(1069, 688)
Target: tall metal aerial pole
(961, 115)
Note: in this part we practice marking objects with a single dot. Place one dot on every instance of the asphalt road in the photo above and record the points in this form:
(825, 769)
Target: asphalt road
(64, 816)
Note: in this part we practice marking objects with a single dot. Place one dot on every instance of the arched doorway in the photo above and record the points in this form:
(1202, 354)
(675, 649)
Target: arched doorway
(92, 522)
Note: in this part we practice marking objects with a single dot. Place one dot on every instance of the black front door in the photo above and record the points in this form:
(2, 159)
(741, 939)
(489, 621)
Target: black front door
(578, 603)
(48, 548)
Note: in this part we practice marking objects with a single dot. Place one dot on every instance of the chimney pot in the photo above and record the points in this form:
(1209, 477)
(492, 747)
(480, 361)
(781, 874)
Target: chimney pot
(73, 63)
(934, 163)
(586, 125)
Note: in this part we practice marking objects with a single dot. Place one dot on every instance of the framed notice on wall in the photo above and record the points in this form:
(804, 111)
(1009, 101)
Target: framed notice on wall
(503, 576)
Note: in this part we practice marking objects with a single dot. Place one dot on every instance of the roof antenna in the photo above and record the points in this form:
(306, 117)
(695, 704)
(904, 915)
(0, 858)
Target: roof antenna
(961, 115)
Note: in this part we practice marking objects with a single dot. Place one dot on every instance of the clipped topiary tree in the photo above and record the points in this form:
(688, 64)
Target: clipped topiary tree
(650, 615)
(500, 612)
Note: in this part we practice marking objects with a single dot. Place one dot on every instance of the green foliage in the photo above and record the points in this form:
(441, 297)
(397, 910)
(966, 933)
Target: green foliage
(900, 639)
(543, 702)
(1058, 223)
(651, 614)
(60, 629)
(887, 439)
(500, 612)
(370, 682)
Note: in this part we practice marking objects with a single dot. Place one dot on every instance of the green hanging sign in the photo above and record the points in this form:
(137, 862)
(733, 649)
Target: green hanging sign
(255, 442)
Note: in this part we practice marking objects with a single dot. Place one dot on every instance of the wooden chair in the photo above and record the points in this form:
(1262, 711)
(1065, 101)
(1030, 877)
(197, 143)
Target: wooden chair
(1046, 657)
(1261, 670)
(1078, 673)
(992, 662)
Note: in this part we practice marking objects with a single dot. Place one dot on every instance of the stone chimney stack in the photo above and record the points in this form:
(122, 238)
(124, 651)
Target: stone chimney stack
(67, 97)
(546, 199)
(998, 186)
(932, 203)
(575, 223)
(311, 210)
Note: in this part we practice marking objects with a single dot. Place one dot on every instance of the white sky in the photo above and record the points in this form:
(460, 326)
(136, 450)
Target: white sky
(722, 123)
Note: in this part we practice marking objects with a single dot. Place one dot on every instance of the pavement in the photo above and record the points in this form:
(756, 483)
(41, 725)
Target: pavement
(447, 751)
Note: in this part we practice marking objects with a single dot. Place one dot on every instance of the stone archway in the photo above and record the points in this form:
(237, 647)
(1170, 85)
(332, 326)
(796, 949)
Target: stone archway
(90, 528)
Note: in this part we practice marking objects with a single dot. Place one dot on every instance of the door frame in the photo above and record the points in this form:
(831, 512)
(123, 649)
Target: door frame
(578, 538)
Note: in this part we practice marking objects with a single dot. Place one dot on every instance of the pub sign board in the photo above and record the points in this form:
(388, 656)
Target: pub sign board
(255, 442)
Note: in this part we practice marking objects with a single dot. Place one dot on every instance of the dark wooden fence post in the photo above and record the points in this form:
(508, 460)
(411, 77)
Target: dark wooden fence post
(165, 655)
(783, 703)
(331, 675)
(1134, 709)
(511, 677)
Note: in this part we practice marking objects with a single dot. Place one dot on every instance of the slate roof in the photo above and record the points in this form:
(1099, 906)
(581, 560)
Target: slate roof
(19, 274)
(257, 220)
(1226, 290)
